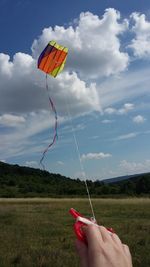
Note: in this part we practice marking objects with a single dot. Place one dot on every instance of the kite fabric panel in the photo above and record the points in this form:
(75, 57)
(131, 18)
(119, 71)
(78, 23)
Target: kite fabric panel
(53, 58)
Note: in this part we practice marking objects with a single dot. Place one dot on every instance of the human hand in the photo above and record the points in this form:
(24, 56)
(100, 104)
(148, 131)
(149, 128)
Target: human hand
(104, 249)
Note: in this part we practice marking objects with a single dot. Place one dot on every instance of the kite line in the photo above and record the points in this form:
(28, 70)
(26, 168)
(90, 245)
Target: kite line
(81, 164)
(52, 61)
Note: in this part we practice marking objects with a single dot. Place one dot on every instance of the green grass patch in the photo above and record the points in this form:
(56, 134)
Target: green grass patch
(38, 232)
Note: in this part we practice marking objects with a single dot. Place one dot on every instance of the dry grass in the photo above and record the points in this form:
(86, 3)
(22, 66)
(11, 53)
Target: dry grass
(38, 232)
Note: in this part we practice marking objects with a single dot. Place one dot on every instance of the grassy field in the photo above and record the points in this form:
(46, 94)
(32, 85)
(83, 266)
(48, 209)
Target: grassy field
(38, 232)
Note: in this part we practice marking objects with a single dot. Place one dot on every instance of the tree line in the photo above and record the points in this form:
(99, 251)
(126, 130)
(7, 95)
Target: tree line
(17, 181)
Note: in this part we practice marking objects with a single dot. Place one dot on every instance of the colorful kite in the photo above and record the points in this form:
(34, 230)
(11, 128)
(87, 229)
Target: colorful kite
(52, 61)
(53, 58)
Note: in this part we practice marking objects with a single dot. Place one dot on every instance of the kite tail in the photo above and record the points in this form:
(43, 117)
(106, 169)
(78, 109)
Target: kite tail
(55, 135)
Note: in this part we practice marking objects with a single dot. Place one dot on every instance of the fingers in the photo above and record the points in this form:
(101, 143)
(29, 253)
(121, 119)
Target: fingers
(106, 235)
(96, 235)
(100, 235)
(116, 240)
(82, 252)
(100, 242)
(127, 252)
(93, 235)
(126, 249)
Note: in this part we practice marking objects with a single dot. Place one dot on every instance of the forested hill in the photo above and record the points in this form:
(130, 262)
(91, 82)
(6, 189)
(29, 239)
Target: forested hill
(17, 181)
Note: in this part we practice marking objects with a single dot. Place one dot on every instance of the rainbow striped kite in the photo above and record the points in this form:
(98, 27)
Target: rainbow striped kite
(53, 58)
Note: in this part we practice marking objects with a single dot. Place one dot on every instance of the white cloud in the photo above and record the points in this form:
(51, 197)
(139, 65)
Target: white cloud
(141, 43)
(125, 136)
(93, 42)
(11, 120)
(21, 88)
(127, 107)
(5, 65)
(139, 119)
(17, 90)
(81, 175)
(75, 94)
(3, 160)
(21, 65)
(59, 162)
(135, 167)
(23, 98)
(107, 121)
(95, 156)
(94, 137)
(22, 140)
(32, 164)
(125, 87)
(69, 128)
(110, 110)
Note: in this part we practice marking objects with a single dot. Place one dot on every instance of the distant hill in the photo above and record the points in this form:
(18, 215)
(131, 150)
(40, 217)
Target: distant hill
(21, 181)
(122, 178)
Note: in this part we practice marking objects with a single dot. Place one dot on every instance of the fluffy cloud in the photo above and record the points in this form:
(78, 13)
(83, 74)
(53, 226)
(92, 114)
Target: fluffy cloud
(21, 66)
(21, 88)
(75, 94)
(126, 108)
(25, 138)
(123, 110)
(139, 119)
(17, 89)
(11, 120)
(95, 51)
(110, 110)
(95, 156)
(93, 42)
(141, 28)
(135, 167)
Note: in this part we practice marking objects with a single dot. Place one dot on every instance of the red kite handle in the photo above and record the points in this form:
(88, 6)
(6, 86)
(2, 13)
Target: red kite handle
(82, 221)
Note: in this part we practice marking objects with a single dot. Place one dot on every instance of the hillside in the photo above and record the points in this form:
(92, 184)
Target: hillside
(122, 178)
(17, 181)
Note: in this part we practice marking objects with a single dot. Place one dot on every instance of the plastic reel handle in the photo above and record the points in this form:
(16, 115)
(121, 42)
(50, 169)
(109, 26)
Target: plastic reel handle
(79, 232)
(82, 221)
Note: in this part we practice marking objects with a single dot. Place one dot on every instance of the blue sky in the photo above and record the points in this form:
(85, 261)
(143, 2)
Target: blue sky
(105, 86)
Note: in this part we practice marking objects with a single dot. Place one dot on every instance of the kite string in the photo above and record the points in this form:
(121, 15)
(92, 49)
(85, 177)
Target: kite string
(80, 162)
(76, 145)
(55, 136)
